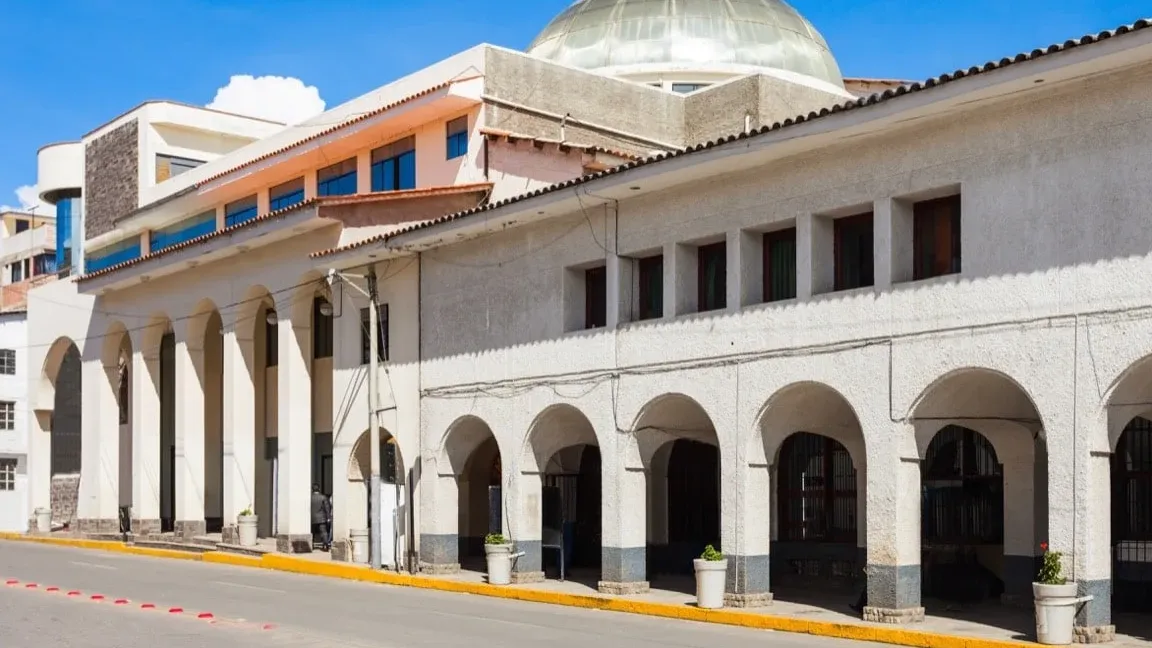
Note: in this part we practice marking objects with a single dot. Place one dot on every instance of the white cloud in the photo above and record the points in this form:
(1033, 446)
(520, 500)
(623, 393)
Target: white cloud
(27, 198)
(282, 99)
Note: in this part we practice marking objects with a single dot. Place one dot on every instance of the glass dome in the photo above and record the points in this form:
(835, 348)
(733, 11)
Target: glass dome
(626, 35)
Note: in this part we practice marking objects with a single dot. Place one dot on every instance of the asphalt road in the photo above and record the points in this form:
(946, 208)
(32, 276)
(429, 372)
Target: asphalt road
(255, 608)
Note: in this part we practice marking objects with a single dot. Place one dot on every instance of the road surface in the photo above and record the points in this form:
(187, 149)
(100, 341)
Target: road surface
(253, 608)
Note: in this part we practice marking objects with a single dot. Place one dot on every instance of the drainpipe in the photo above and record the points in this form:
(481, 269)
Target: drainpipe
(563, 124)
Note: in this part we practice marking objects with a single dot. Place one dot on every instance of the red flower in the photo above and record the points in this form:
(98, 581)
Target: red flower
(1043, 546)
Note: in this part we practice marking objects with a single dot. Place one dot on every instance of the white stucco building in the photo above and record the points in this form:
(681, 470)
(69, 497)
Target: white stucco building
(902, 334)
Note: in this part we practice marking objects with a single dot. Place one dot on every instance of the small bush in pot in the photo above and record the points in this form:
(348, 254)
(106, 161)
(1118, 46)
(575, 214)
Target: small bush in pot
(1055, 599)
(498, 551)
(711, 574)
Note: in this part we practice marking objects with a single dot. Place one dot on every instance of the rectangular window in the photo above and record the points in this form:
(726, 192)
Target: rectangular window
(7, 415)
(321, 329)
(285, 195)
(338, 179)
(852, 251)
(595, 297)
(365, 331)
(240, 211)
(43, 264)
(780, 265)
(458, 137)
(122, 252)
(8, 362)
(7, 474)
(183, 231)
(394, 165)
(21, 225)
(711, 277)
(17, 271)
(170, 166)
(651, 289)
(271, 343)
(685, 88)
(936, 237)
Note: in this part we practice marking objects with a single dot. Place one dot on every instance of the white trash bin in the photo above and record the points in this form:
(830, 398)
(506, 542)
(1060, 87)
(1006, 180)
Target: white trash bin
(246, 529)
(499, 563)
(359, 538)
(44, 520)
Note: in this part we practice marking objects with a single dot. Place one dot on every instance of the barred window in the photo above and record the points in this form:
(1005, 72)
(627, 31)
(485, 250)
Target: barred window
(8, 362)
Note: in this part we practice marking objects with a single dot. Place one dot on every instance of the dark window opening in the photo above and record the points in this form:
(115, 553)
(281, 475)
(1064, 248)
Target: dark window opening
(322, 340)
(338, 179)
(780, 265)
(394, 165)
(458, 137)
(366, 331)
(239, 211)
(21, 225)
(936, 237)
(963, 498)
(285, 195)
(712, 277)
(595, 297)
(651, 276)
(853, 252)
(271, 343)
(817, 490)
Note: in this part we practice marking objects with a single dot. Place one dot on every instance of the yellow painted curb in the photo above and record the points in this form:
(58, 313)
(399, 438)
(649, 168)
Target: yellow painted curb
(346, 571)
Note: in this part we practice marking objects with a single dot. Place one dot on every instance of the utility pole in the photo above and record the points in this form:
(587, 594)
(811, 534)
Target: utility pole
(374, 548)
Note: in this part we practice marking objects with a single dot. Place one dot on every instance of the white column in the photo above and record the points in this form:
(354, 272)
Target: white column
(239, 433)
(97, 509)
(145, 420)
(439, 518)
(893, 527)
(294, 427)
(624, 547)
(747, 526)
(524, 525)
(189, 399)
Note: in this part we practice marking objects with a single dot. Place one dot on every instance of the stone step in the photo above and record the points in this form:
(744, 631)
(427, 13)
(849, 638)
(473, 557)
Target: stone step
(243, 551)
(174, 545)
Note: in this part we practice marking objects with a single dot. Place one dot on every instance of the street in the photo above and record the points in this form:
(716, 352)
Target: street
(256, 608)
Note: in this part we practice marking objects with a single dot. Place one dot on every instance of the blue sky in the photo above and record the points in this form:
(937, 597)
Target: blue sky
(70, 65)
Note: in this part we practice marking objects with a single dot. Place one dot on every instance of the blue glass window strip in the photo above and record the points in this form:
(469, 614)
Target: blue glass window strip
(395, 173)
(239, 216)
(171, 236)
(457, 145)
(109, 259)
(342, 185)
(64, 233)
(286, 200)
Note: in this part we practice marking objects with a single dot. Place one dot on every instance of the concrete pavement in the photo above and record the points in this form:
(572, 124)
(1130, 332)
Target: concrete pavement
(307, 611)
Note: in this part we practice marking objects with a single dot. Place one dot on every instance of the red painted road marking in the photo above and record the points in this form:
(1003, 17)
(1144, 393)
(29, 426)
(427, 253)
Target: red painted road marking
(31, 586)
(97, 597)
(74, 593)
(147, 606)
(11, 581)
(268, 626)
(204, 615)
(121, 601)
(176, 610)
(52, 589)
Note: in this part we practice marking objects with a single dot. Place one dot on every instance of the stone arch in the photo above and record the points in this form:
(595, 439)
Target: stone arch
(962, 421)
(469, 494)
(393, 504)
(1128, 396)
(805, 407)
(60, 414)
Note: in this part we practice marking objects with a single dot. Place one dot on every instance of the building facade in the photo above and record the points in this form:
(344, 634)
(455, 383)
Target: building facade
(625, 318)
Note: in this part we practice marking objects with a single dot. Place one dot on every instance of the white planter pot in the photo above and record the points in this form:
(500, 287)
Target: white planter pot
(44, 520)
(499, 563)
(1055, 613)
(710, 578)
(246, 529)
(359, 539)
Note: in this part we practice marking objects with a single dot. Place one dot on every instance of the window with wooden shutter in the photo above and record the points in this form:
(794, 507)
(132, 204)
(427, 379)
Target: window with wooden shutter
(936, 237)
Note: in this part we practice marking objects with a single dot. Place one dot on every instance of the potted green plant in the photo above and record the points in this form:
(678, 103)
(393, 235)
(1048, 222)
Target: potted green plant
(498, 551)
(246, 527)
(1055, 600)
(711, 574)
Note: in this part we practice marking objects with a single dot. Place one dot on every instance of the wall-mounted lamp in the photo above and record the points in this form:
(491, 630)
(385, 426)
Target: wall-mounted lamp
(271, 318)
(326, 308)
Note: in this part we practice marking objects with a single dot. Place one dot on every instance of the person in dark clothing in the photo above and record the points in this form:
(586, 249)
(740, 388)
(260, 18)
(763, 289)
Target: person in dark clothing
(321, 513)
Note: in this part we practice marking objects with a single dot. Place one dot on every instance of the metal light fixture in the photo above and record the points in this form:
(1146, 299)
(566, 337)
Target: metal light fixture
(326, 308)
(271, 318)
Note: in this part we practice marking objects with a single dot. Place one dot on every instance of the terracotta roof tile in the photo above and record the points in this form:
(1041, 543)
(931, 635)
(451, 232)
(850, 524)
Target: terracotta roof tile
(853, 104)
(498, 135)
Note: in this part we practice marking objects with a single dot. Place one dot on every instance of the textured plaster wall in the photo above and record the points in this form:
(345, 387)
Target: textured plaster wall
(1054, 244)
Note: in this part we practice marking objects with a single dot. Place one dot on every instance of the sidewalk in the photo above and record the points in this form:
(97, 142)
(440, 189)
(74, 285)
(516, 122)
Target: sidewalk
(784, 616)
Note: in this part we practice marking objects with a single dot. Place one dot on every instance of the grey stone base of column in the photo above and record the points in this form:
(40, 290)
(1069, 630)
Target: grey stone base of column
(341, 550)
(1094, 634)
(143, 528)
(761, 599)
(188, 529)
(294, 543)
(92, 525)
(230, 534)
(623, 589)
(528, 577)
(894, 616)
(439, 568)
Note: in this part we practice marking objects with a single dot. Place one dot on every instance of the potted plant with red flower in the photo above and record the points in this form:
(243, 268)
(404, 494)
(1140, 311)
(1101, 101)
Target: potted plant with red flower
(1055, 600)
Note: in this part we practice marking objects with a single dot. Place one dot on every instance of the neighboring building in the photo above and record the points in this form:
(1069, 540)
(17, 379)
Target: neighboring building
(27, 257)
(820, 332)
